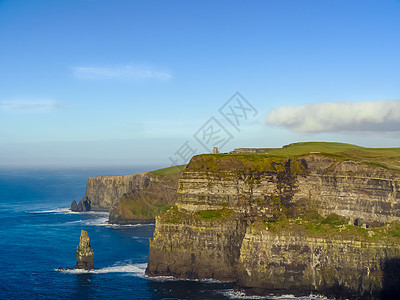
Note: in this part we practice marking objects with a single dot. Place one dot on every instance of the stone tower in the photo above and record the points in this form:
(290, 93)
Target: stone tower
(215, 150)
(84, 254)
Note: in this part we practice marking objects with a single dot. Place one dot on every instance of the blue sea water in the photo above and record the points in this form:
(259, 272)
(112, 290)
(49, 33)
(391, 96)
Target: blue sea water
(38, 234)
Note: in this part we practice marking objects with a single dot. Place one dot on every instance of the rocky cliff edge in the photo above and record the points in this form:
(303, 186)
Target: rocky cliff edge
(287, 221)
(131, 199)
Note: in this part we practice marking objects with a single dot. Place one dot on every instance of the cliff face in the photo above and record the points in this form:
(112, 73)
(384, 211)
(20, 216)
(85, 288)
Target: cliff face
(154, 195)
(103, 192)
(193, 247)
(347, 188)
(273, 222)
(359, 191)
(294, 262)
(131, 198)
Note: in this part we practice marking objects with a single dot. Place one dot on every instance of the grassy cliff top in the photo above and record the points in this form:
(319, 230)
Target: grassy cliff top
(331, 148)
(169, 170)
(275, 158)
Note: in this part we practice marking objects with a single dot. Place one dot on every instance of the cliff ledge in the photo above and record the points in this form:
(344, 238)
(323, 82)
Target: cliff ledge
(310, 217)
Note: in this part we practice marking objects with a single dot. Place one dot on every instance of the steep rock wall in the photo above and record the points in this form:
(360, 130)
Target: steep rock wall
(186, 246)
(347, 188)
(152, 196)
(104, 192)
(297, 263)
(266, 189)
(131, 199)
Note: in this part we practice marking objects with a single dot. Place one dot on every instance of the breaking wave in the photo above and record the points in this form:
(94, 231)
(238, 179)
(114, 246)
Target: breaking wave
(52, 211)
(95, 218)
(103, 221)
(233, 294)
(62, 211)
(137, 270)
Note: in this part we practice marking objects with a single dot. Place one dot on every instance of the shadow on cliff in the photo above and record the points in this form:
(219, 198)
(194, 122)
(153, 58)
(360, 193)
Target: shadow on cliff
(391, 279)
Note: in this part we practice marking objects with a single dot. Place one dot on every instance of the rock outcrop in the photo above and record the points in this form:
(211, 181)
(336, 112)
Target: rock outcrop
(283, 224)
(141, 204)
(74, 206)
(131, 199)
(84, 254)
(104, 192)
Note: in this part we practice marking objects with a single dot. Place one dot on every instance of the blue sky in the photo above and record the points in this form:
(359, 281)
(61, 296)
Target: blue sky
(108, 83)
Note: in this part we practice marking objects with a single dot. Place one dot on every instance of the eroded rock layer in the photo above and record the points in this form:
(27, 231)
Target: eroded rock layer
(131, 199)
(84, 254)
(282, 223)
(104, 192)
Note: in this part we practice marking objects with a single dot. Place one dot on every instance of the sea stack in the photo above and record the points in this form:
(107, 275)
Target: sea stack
(84, 254)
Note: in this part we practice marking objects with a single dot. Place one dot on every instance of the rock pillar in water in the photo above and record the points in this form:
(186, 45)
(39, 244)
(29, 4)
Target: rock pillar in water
(74, 206)
(84, 254)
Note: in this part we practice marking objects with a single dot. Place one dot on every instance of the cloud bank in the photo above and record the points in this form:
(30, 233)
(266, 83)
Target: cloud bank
(366, 116)
(118, 72)
(29, 105)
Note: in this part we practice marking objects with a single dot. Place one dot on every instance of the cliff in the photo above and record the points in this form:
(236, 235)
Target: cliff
(286, 221)
(131, 198)
(156, 194)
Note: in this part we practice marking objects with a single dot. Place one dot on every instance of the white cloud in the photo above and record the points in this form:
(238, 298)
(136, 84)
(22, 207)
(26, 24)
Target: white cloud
(29, 105)
(120, 72)
(366, 116)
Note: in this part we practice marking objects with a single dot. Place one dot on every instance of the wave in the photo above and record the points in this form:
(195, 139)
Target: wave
(52, 211)
(130, 225)
(131, 269)
(104, 222)
(233, 294)
(101, 221)
(68, 211)
(172, 278)
(97, 218)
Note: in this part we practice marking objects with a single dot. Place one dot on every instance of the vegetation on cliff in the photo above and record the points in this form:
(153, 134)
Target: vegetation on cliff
(175, 216)
(333, 226)
(307, 217)
(145, 202)
(274, 158)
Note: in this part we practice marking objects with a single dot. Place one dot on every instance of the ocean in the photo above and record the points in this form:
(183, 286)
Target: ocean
(39, 234)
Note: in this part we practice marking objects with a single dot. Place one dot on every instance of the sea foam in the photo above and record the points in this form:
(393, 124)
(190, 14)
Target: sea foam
(234, 294)
(137, 270)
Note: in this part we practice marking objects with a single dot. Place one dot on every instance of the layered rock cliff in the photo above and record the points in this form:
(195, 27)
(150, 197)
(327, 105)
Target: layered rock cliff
(131, 198)
(156, 194)
(103, 192)
(284, 222)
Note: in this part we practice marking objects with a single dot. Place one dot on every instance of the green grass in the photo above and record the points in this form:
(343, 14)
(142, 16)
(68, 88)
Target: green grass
(169, 170)
(245, 163)
(141, 208)
(276, 159)
(307, 147)
(332, 227)
(335, 220)
(382, 157)
(173, 215)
